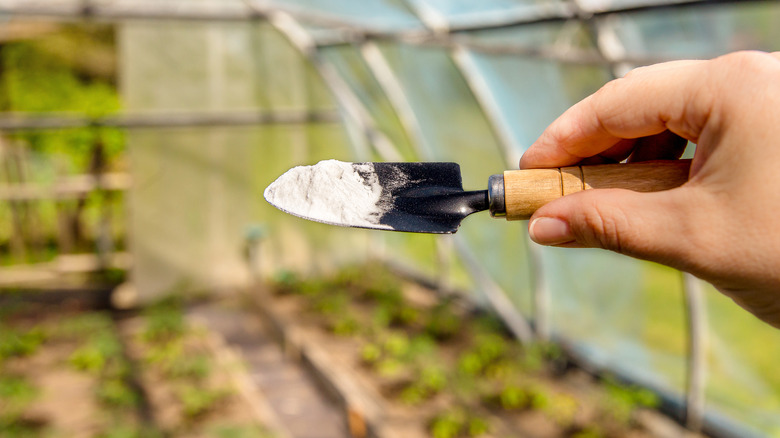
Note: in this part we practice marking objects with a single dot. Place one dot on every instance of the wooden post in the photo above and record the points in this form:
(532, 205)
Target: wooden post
(17, 242)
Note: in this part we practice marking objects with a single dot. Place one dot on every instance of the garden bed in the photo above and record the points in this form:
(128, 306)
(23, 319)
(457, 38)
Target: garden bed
(405, 363)
(86, 374)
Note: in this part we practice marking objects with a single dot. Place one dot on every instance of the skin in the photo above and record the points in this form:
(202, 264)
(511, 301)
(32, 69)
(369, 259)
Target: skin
(723, 225)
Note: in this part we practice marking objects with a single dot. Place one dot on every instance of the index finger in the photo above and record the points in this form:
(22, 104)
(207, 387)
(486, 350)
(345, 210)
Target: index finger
(649, 100)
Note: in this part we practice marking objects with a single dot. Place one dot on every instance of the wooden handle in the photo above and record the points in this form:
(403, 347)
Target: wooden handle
(527, 190)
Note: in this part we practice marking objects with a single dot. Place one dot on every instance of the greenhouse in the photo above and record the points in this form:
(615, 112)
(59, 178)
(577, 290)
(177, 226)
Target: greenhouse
(137, 138)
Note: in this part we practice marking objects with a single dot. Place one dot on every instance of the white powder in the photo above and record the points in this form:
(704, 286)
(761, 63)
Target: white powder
(331, 191)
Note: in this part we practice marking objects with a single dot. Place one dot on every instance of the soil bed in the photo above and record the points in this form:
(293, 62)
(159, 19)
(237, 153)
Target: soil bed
(437, 370)
(74, 373)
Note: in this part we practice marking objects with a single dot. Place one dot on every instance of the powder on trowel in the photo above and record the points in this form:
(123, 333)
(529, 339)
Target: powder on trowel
(331, 191)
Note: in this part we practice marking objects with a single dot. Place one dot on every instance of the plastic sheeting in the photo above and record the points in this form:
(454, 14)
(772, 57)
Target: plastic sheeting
(704, 31)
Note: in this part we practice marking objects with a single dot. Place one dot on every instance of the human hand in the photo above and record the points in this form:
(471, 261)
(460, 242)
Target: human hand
(723, 225)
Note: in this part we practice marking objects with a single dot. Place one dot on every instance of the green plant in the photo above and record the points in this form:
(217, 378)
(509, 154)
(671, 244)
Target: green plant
(16, 392)
(536, 355)
(470, 364)
(478, 426)
(345, 326)
(562, 409)
(539, 398)
(115, 392)
(330, 304)
(84, 325)
(413, 395)
(129, 431)
(490, 347)
(513, 397)
(502, 370)
(101, 350)
(396, 345)
(197, 401)
(405, 315)
(238, 431)
(370, 353)
(285, 282)
(433, 378)
(191, 366)
(17, 343)
(389, 367)
(588, 432)
(427, 382)
(442, 322)
(164, 321)
(621, 400)
(449, 424)
(87, 358)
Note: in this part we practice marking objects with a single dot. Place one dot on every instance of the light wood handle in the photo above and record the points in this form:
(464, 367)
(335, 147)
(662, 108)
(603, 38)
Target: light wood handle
(527, 190)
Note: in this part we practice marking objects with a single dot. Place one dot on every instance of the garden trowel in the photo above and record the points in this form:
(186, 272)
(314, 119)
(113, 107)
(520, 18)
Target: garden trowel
(427, 197)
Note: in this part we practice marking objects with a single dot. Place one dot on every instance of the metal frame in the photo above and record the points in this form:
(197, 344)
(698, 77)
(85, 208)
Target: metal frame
(500, 125)
(393, 89)
(11, 122)
(437, 31)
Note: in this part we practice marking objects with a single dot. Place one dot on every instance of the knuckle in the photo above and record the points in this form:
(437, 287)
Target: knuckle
(746, 61)
(634, 72)
(603, 228)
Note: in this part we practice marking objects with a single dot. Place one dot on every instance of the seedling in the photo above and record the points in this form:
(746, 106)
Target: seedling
(448, 425)
(589, 432)
(442, 324)
(84, 325)
(15, 343)
(478, 426)
(370, 353)
(562, 409)
(429, 381)
(330, 304)
(536, 355)
(285, 282)
(239, 431)
(396, 345)
(456, 422)
(621, 401)
(164, 321)
(197, 401)
(117, 393)
(15, 393)
(192, 366)
(513, 397)
(345, 326)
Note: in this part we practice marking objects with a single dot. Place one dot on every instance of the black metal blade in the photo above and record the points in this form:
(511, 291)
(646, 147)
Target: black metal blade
(426, 197)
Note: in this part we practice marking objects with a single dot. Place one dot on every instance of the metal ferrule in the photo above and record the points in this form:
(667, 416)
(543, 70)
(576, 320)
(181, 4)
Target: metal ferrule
(496, 200)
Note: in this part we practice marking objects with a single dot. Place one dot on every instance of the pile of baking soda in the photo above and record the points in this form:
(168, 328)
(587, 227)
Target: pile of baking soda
(331, 191)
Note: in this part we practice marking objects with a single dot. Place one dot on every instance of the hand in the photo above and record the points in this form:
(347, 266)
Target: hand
(723, 225)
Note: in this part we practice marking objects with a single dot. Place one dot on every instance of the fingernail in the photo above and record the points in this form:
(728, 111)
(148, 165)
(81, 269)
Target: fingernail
(550, 231)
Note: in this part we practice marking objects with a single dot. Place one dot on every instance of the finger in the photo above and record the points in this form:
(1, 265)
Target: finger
(646, 102)
(643, 225)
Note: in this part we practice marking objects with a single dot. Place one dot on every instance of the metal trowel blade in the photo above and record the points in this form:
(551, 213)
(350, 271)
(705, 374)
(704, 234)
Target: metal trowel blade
(411, 197)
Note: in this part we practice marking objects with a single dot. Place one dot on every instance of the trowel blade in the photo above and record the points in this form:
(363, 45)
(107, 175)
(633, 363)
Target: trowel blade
(411, 197)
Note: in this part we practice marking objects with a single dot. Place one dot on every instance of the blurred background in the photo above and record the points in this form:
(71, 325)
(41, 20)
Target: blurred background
(136, 138)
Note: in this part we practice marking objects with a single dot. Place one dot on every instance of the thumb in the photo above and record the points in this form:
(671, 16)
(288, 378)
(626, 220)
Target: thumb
(652, 226)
